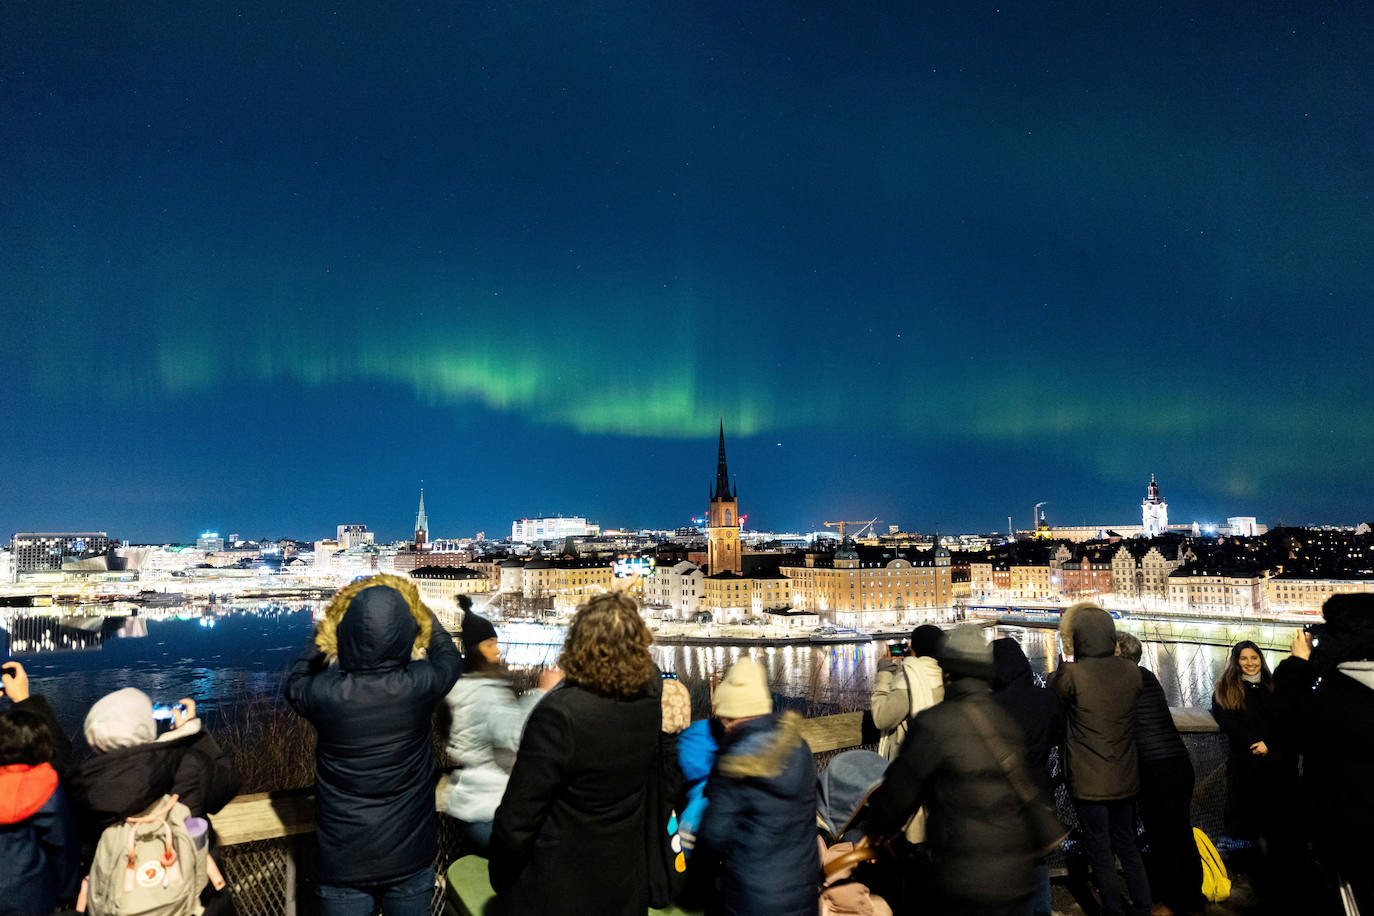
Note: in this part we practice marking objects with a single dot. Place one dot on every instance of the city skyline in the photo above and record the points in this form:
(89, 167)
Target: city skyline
(266, 269)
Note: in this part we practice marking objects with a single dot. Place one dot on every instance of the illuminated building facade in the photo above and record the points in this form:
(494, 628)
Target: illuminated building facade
(538, 530)
(44, 551)
(866, 587)
(1154, 511)
(678, 588)
(1203, 591)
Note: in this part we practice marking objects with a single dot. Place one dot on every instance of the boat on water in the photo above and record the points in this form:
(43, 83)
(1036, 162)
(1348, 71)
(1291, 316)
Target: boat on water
(827, 634)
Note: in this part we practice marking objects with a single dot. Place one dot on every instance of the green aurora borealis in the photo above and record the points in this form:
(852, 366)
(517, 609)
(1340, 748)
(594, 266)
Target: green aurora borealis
(266, 270)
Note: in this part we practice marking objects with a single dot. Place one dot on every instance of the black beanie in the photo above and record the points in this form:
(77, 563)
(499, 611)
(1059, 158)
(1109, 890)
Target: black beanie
(927, 640)
(476, 630)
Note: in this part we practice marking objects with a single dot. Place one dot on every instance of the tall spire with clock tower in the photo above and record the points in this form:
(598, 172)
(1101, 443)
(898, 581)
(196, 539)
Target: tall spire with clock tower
(722, 520)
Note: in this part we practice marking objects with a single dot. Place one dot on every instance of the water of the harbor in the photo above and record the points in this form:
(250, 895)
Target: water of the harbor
(226, 655)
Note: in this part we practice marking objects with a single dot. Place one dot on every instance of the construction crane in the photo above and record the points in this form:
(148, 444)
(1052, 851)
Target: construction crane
(841, 525)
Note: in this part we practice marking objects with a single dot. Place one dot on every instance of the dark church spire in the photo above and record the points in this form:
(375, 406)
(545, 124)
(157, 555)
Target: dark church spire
(722, 475)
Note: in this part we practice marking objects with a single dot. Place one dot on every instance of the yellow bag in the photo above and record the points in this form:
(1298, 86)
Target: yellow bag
(1216, 883)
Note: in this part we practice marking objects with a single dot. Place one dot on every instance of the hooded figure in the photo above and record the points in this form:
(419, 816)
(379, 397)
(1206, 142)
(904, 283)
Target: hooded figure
(759, 829)
(980, 850)
(1031, 706)
(1099, 690)
(134, 766)
(368, 682)
(1324, 709)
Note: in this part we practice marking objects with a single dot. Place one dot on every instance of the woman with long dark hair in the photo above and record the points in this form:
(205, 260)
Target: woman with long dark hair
(569, 836)
(1261, 775)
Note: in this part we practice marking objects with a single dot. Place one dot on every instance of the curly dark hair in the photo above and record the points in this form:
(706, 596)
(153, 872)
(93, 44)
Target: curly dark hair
(607, 651)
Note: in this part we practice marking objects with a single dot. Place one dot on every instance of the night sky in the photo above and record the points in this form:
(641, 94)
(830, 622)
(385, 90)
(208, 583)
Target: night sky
(264, 270)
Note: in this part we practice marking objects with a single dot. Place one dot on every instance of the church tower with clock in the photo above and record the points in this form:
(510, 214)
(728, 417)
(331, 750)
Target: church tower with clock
(722, 520)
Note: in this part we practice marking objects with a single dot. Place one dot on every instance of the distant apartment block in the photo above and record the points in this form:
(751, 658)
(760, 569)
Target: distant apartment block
(535, 530)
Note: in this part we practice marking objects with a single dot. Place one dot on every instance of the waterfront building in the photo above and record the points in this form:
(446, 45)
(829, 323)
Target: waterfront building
(1081, 576)
(678, 589)
(440, 586)
(722, 519)
(1202, 590)
(210, 542)
(1304, 593)
(44, 551)
(576, 579)
(1154, 511)
(867, 587)
(726, 596)
(1140, 570)
(408, 559)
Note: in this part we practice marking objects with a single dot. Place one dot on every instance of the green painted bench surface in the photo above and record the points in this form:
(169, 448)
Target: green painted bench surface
(469, 891)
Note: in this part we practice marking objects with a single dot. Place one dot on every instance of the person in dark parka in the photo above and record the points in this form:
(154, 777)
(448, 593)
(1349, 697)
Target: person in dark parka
(368, 682)
(759, 831)
(38, 843)
(1166, 794)
(1099, 690)
(977, 837)
(1324, 708)
(1041, 718)
(569, 834)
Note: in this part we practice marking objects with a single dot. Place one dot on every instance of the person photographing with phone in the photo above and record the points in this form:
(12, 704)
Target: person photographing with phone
(908, 680)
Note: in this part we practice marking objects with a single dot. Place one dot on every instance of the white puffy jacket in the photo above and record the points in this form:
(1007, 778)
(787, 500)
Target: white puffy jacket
(487, 722)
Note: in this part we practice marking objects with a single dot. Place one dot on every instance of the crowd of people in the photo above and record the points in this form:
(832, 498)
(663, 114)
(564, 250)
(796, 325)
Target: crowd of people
(594, 793)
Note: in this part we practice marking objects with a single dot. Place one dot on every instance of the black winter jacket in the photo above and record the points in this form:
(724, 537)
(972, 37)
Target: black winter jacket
(1030, 706)
(1099, 691)
(568, 837)
(120, 783)
(1254, 781)
(1333, 727)
(759, 830)
(976, 833)
(371, 703)
(1156, 736)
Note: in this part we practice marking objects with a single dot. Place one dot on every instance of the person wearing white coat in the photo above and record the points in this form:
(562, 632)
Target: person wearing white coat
(488, 719)
(903, 687)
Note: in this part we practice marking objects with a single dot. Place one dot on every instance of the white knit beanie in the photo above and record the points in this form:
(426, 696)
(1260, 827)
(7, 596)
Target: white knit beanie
(120, 719)
(744, 692)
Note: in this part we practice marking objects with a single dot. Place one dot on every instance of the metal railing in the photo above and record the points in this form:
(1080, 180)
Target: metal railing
(267, 845)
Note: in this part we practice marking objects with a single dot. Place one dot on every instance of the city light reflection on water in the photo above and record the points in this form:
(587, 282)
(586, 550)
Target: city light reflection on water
(248, 650)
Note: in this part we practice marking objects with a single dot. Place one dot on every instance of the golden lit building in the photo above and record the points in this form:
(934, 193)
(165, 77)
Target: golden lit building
(1292, 593)
(882, 591)
(722, 531)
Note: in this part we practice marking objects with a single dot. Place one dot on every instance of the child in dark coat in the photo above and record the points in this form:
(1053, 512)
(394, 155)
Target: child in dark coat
(759, 829)
(37, 836)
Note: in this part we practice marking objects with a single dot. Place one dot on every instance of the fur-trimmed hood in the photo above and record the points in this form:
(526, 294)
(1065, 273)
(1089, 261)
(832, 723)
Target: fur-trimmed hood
(377, 622)
(1087, 631)
(765, 749)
